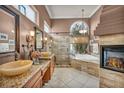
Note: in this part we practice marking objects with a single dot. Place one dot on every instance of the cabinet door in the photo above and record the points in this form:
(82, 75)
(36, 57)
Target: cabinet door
(47, 75)
(38, 84)
(33, 80)
(52, 66)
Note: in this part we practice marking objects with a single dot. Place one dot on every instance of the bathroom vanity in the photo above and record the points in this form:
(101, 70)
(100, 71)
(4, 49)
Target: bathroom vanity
(36, 77)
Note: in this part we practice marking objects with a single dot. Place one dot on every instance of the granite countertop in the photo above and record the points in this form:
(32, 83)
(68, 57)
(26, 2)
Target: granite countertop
(20, 80)
(87, 58)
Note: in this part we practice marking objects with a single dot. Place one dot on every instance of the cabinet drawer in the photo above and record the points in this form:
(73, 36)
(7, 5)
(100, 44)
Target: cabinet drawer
(32, 81)
(38, 84)
(52, 68)
(45, 69)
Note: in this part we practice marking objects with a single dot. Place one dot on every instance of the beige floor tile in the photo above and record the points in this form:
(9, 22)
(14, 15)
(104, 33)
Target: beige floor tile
(71, 78)
(92, 83)
(74, 84)
(57, 84)
(82, 79)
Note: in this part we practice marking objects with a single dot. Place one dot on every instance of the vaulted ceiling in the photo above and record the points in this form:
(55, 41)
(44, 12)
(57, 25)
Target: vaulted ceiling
(71, 11)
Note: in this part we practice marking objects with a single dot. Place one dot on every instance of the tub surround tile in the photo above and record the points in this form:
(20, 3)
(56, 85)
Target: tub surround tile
(86, 58)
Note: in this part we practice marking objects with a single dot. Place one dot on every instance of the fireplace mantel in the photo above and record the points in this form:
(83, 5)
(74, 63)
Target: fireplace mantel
(114, 39)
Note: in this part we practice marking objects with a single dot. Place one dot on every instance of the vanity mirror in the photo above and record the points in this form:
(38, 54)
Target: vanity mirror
(38, 39)
(9, 30)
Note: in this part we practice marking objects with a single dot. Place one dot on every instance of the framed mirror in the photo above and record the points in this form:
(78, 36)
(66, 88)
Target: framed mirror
(38, 39)
(9, 30)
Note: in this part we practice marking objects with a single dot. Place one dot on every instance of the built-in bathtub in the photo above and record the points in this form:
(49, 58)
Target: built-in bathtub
(87, 58)
(87, 63)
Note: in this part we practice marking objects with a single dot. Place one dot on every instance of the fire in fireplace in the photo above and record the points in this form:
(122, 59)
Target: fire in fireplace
(112, 57)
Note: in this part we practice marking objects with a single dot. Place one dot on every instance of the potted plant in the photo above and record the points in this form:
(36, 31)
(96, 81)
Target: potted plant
(35, 56)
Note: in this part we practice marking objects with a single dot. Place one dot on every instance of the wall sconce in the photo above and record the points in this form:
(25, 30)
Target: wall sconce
(32, 33)
(45, 38)
(30, 37)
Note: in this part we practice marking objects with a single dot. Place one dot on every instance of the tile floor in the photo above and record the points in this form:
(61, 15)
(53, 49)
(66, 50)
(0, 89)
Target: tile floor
(71, 78)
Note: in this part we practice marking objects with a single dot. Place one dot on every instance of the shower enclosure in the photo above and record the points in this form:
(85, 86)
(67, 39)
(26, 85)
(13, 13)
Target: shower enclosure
(61, 47)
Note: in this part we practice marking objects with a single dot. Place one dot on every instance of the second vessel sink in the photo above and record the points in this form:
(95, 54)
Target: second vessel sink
(15, 68)
(45, 55)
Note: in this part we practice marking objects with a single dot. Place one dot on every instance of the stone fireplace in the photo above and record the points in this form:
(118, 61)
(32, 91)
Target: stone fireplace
(112, 57)
(111, 40)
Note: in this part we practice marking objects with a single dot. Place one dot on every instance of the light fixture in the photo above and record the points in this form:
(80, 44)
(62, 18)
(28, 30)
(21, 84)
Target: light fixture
(31, 33)
(82, 31)
(45, 38)
(13, 31)
(30, 36)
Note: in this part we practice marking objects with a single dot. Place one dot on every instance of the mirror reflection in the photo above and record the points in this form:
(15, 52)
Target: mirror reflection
(39, 39)
(7, 31)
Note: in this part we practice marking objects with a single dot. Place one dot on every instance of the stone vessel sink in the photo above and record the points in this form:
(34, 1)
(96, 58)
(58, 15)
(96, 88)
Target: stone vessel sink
(15, 68)
(45, 55)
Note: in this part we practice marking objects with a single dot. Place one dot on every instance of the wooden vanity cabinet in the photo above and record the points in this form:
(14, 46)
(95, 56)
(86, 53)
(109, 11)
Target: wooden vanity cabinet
(39, 83)
(52, 64)
(41, 77)
(48, 71)
(46, 75)
(35, 81)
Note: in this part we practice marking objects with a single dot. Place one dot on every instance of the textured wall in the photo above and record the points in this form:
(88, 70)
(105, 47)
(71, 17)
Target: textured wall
(26, 25)
(94, 21)
(63, 25)
(111, 20)
(109, 78)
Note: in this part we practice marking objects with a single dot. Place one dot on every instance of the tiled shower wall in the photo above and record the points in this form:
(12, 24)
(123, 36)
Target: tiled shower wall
(61, 44)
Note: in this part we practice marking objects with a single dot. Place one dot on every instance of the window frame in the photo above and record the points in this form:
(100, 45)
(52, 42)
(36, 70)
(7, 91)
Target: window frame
(36, 21)
(46, 25)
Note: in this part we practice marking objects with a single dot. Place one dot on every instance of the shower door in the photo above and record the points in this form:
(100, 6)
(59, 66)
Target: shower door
(61, 49)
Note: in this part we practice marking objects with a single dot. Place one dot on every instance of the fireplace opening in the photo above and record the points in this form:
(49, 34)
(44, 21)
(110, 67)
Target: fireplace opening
(112, 57)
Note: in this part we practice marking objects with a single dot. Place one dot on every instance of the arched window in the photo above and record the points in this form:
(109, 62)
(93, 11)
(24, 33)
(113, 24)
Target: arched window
(79, 32)
(79, 28)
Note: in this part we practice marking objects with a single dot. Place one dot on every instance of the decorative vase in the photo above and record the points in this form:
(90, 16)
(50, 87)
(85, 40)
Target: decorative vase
(35, 61)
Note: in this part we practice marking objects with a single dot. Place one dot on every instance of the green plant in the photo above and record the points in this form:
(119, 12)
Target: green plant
(80, 48)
